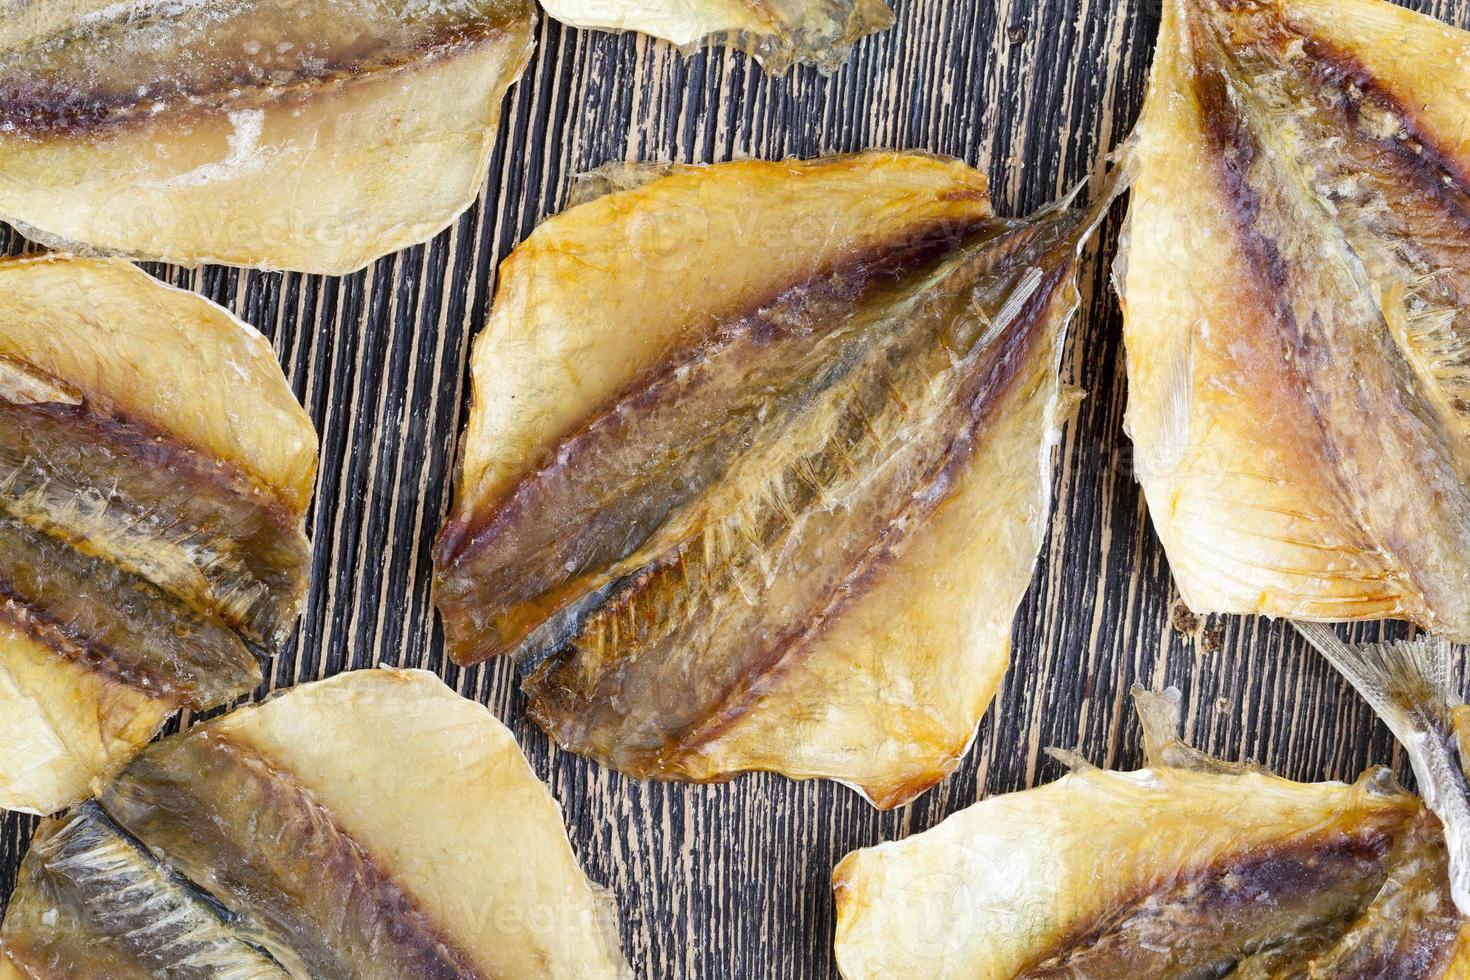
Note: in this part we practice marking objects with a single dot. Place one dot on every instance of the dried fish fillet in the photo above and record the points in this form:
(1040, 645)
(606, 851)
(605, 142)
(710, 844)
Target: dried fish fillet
(1189, 868)
(374, 825)
(155, 470)
(758, 466)
(778, 33)
(266, 133)
(1296, 288)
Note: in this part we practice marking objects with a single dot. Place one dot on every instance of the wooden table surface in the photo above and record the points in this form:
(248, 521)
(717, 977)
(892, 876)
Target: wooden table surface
(733, 881)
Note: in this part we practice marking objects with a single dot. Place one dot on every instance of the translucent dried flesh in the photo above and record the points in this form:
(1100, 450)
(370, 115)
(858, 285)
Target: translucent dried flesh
(803, 439)
(154, 474)
(95, 903)
(1190, 868)
(266, 133)
(777, 32)
(1295, 281)
(371, 826)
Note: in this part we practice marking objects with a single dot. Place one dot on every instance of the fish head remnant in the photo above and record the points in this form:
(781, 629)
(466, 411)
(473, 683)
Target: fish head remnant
(799, 490)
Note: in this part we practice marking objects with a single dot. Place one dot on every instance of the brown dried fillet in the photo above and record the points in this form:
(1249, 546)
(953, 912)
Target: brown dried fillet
(1296, 282)
(287, 134)
(778, 33)
(1189, 868)
(371, 826)
(759, 463)
(155, 471)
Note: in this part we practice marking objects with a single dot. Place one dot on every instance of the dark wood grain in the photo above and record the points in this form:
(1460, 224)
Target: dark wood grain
(732, 881)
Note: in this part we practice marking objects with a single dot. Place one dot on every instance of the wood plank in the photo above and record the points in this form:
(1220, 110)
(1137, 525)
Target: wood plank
(732, 881)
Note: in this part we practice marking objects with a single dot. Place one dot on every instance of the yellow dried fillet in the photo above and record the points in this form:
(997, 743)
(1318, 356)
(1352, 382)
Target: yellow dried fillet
(1191, 867)
(696, 404)
(778, 33)
(374, 825)
(262, 133)
(155, 470)
(1295, 287)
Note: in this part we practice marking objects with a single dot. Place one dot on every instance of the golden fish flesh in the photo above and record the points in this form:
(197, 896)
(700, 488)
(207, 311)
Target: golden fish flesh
(778, 33)
(155, 470)
(374, 825)
(275, 134)
(1296, 285)
(1190, 868)
(758, 465)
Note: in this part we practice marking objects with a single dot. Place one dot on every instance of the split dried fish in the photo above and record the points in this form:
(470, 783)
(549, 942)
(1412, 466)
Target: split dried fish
(155, 470)
(267, 133)
(778, 33)
(1189, 868)
(1297, 290)
(374, 825)
(758, 466)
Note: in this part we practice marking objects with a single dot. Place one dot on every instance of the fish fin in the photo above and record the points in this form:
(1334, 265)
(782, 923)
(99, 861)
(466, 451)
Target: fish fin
(1161, 714)
(1064, 409)
(1113, 184)
(611, 178)
(1250, 541)
(1074, 761)
(1178, 406)
(1409, 685)
(1426, 320)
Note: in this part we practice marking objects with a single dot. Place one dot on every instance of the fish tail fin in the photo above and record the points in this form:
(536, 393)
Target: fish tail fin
(1409, 684)
(1116, 177)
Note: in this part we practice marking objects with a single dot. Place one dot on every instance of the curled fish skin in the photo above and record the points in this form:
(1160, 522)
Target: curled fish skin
(758, 465)
(1189, 868)
(155, 470)
(778, 33)
(374, 826)
(271, 134)
(1295, 283)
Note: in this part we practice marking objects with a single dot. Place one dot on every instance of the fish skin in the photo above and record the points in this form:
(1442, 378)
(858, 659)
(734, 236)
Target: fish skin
(1294, 281)
(667, 441)
(789, 533)
(109, 620)
(253, 837)
(777, 33)
(155, 470)
(113, 67)
(131, 128)
(91, 903)
(1201, 924)
(371, 825)
(196, 527)
(683, 563)
(1190, 868)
